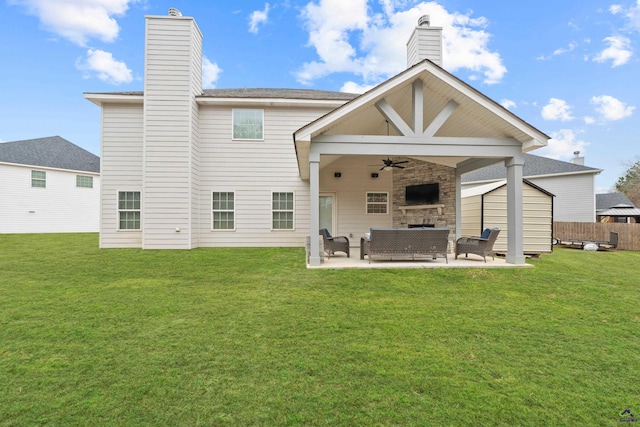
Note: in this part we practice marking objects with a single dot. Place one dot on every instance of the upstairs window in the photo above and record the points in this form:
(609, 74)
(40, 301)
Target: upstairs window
(129, 210)
(223, 211)
(39, 179)
(248, 124)
(84, 181)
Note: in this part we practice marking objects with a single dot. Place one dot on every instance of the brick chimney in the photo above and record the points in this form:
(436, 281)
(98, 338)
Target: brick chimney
(425, 43)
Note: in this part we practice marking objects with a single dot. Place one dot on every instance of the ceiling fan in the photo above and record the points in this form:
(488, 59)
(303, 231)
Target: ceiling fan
(390, 164)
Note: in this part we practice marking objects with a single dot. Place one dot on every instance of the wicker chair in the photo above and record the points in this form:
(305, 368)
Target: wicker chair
(334, 244)
(481, 246)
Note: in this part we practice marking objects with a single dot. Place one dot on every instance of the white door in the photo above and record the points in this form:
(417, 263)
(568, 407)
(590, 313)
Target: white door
(327, 212)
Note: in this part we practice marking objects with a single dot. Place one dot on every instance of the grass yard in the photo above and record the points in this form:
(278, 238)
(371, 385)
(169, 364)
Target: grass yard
(250, 337)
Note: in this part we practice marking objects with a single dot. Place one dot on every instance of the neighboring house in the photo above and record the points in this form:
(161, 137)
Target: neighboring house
(483, 206)
(572, 183)
(49, 185)
(185, 168)
(616, 207)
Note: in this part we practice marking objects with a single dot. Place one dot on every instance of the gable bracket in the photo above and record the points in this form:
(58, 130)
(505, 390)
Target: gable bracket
(392, 116)
(442, 117)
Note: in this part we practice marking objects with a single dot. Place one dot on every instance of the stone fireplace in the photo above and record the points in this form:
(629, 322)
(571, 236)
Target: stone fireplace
(439, 214)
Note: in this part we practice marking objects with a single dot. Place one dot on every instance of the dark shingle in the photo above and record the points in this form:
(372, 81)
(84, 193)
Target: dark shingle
(321, 95)
(533, 166)
(609, 200)
(51, 152)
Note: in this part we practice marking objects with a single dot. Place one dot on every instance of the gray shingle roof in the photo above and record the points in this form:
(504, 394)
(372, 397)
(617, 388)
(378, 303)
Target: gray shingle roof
(322, 95)
(609, 200)
(51, 152)
(533, 166)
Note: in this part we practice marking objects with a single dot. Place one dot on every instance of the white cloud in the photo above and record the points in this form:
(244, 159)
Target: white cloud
(258, 17)
(210, 73)
(352, 87)
(557, 109)
(610, 108)
(589, 120)
(619, 51)
(80, 20)
(560, 51)
(349, 37)
(562, 145)
(615, 9)
(106, 67)
(508, 104)
(632, 15)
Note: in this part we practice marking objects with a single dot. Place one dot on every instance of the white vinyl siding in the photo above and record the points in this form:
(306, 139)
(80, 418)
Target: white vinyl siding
(39, 179)
(121, 163)
(223, 210)
(173, 70)
(282, 211)
(377, 203)
(129, 210)
(575, 199)
(83, 181)
(62, 208)
(254, 170)
(248, 124)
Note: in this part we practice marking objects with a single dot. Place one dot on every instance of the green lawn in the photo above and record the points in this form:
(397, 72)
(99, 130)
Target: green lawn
(246, 337)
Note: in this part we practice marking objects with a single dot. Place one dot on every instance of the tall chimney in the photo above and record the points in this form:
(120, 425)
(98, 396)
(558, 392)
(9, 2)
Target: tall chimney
(425, 43)
(172, 81)
(577, 160)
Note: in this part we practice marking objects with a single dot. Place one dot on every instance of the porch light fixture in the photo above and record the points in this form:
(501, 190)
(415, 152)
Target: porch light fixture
(337, 174)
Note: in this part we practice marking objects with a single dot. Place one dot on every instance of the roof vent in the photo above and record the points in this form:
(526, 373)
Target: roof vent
(424, 20)
(174, 12)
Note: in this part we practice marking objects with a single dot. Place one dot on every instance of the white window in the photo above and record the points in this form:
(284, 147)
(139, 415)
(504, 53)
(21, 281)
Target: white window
(39, 179)
(84, 181)
(377, 203)
(282, 211)
(248, 124)
(223, 210)
(129, 210)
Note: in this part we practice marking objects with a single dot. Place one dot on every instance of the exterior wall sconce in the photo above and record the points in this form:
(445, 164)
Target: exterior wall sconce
(337, 174)
(374, 175)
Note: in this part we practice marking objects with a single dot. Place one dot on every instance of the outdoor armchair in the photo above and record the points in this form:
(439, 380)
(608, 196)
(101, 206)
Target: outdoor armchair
(481, 246)
(334, 244)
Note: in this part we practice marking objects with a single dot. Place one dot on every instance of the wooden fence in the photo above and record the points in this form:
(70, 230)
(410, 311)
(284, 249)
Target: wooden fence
(628, 234)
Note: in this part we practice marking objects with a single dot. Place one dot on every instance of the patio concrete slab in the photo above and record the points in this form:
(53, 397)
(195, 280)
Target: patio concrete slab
(340, 262)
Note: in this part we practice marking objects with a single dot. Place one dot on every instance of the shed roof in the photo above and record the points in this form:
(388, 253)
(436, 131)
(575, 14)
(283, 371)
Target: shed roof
(52, 152)
(533, 166)
(489, 187)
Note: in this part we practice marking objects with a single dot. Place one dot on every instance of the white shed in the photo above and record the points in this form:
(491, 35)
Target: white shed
(486, 206)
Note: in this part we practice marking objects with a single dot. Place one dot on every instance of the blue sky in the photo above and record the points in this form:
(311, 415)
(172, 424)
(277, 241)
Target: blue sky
(570, 68)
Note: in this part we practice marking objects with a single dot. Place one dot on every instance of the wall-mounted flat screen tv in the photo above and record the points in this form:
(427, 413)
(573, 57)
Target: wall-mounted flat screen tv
(422, 194)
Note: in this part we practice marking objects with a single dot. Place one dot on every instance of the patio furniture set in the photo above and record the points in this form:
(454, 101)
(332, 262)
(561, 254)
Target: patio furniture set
(411, 244)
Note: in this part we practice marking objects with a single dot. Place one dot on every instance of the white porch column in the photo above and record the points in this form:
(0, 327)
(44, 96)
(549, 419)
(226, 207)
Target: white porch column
(458, 205)
(314, 208)
(515, 235)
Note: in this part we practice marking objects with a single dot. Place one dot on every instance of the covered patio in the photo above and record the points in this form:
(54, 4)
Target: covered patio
(437, 122)
(342, 262)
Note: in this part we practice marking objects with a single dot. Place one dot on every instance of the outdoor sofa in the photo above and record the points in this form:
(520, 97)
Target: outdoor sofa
(405, 244)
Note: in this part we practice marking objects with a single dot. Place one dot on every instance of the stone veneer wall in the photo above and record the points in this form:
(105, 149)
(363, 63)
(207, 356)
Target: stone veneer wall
(417, 172)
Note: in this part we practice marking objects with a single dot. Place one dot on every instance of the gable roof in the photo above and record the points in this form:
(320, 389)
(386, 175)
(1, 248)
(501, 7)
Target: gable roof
(51, 152)
(450, 108)
(534, 166)
(610, 200)
(489, 187)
